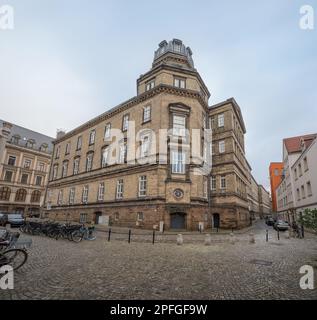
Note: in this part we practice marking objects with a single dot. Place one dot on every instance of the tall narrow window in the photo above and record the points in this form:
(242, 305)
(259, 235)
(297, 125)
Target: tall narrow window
(150, 85)
(179, 125)
(89, 161)
(8, 176)
(55, 171)
(146, 113)
(58, 151)
(145, 145)
(300, 171)
(76, 166)
(122, 152)
(222, 146)
(27, 164)
(309, 190)
(213, 183)
(60, 198)
(72, 195)
(92, 136)
(101, 191)
(67, 148)
(108, 131)
(205, 188)
(303, 192)
(38, 180)
(65, 169)
(11, 161)
(85, 194)
(178, 162)
(79, 142)
(125, 122)
(119, 190)
(142, 186)
(180, 82)
(305, 164)
(104, 157)
(24, 178)
(223, 183)
(221, 120)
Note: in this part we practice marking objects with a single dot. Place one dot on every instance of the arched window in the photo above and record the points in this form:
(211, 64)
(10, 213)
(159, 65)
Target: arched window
(15, 139)
(20, 195)
(36, 196)
(44, 147)
(5, 193)
(30, 143)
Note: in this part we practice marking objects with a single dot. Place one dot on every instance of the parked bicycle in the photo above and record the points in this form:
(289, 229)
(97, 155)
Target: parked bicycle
(86, 233)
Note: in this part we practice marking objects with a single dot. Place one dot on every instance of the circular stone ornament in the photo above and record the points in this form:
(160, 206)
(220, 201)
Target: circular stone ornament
(178, 193)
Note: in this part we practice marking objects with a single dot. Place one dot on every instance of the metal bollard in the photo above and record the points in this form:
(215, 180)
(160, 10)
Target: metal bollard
(278, 234)
(267, 235)
(153, 239)
(109, 234)
(129, 240)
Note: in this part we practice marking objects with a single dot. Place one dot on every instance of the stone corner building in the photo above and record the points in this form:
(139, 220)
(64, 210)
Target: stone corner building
(171, 95)
(25, 158)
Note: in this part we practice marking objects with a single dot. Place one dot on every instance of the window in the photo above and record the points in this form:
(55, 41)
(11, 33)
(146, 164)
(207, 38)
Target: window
(300, 171)
(204, 121)
(8, 176)
(295, 173)
(177, 46)
(107, 131)
(79, 143)
(298, 194)
(85, 194)
(213, 183)
(20, 195)
(83, 218)
(67, 149)
(179, 82)
(76, 166)
(140, 216)
(104, 157)
(92, 137)
(36, 196)
(178, 162)
(179, 125)
(5, 193)
(41, 167)
(145, 145)
(305, 164)
(38, 180)
(212, 123)
(72, 195)
(65, 169)
(150, 85)
(122, 153)
(60, 198)
(44, 147)
(309, 190)
(11, 160)
(125, 122)
(27, 164)
(223, 182)
(119, 191)
(221, 120)
(58, 150)
(205, 188)
(276, 172)
(142, 186)
(303, 192)
(55, 171)
(222, 146)
(89, 162)
(146, 113)
(24, 178)
(101, 191)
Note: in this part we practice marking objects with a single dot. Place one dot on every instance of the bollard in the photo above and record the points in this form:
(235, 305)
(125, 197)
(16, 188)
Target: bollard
(109, 234)
(267, 235)
(129, 240)
(302, 229)
(251, 238)
(278, 234)
(153, 240)
(232, 238)
(180, 240)
(207, 240)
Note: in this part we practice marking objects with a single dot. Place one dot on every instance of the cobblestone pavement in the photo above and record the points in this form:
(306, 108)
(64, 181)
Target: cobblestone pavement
(140, 270)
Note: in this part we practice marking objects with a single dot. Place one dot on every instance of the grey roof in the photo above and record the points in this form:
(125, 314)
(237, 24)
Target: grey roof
(27, 134)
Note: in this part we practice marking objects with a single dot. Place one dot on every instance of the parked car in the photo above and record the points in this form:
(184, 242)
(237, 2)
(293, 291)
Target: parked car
(269, 221)
(281, 225)
(3, 219)
(15, 219)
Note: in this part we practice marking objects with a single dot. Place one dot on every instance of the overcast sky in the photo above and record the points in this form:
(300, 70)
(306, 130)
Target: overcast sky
(68, 61)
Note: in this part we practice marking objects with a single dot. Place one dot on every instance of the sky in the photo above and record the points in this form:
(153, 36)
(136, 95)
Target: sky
(66, 62)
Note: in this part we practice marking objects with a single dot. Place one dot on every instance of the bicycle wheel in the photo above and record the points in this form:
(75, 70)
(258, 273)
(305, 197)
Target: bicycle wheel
(15, 258)
(77, 236)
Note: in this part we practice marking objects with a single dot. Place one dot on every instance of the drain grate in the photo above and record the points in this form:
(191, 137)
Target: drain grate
(261, 262)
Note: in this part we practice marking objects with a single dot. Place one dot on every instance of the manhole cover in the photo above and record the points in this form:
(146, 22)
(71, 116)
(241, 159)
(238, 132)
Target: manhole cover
(261, 262)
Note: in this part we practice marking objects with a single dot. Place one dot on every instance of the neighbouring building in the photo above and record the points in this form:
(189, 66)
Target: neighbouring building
(25, 158)
(276, 174)
(298, 176)
(265, 203)
(84, 187)
(253, 196)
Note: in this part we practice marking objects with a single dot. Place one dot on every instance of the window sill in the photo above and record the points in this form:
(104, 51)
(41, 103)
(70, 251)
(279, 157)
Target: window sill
(145, 122)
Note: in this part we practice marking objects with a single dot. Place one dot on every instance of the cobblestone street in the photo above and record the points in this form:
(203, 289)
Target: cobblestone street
(140, 270)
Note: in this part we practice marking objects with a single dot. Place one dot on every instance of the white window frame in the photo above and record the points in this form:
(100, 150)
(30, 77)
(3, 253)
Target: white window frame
(179, 82)
(92, 136)
(83, 217)
(222, 146)
(146, 113)
(150, 85)
(145, 145)
(178, 162)
(71, 198)
(85, 194)
(122, 152)
(41, 179)
(55, 171)
(79, 143)
(107, 131)
(213, 183)
(223, 183)
(179, 125)
(221, 120)
(142, 186)
(65, 169)
(89, 162)
(105, 156)
(125, 122)
(119, 189)
(101, 191)
(60, 198)
(140, 216)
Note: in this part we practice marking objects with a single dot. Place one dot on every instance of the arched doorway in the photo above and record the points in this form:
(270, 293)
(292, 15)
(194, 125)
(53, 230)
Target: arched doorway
(216, 220)
(178, 220)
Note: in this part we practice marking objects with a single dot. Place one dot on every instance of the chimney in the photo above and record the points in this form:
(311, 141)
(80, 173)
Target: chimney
(60, 133)
(6, 129)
